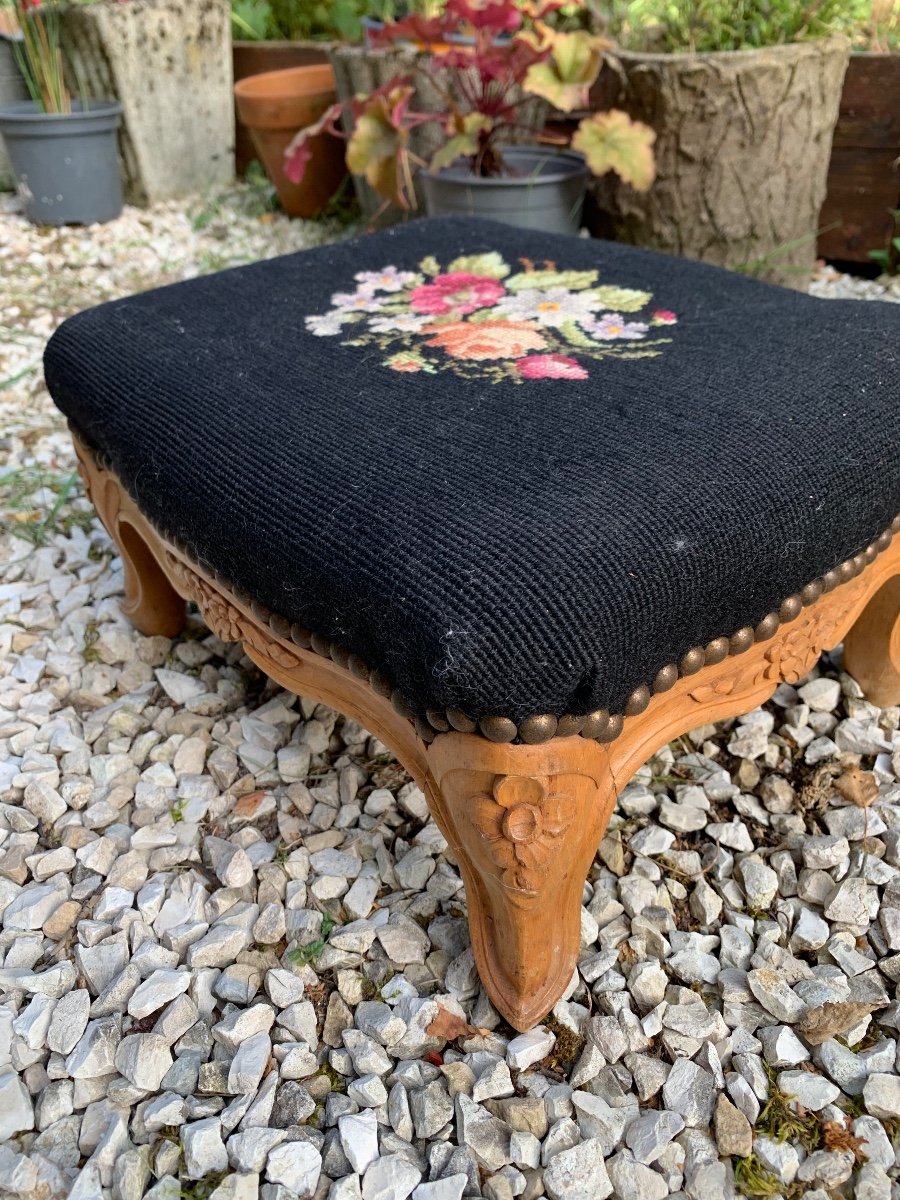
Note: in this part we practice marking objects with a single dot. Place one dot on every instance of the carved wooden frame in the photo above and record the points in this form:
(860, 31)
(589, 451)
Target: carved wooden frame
(524, 821)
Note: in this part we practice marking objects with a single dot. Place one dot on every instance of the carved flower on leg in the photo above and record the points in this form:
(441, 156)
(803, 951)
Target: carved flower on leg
(522, 822)
(222, 619)
(794, 655)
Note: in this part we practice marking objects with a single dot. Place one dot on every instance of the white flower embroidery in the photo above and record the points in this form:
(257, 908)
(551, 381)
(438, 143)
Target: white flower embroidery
(551, 307)
(326, 325)
(400, 323)
(387, 280)
(611, 327)
(362, 300)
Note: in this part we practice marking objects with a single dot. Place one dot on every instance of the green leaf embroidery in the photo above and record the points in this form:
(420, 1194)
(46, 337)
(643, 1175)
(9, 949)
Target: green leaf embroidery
(575, 336)
(575, 280)
(490, 264)
(621, 299)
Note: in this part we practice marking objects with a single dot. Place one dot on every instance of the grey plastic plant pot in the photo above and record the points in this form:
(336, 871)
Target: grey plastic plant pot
(66, 165)
(542, 190)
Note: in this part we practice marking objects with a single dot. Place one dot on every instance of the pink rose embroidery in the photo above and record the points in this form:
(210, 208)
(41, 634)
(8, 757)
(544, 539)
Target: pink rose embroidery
(457, 293)
(550, 366)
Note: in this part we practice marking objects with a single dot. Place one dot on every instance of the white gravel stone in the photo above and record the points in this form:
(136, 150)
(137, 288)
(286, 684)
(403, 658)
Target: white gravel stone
(16, 1111)
(689, 1091)
(69, 1020)
(775, 995)
(157, 990)
(249, 1064)
(144, 1059)
(390, 1177)
(204, 1150)
(578, 1173)
(359, 1138)
(95, 1051)
(649, 1135)
(529, 1048)
(811, 1091)
(296, 1165)
(881, 1096)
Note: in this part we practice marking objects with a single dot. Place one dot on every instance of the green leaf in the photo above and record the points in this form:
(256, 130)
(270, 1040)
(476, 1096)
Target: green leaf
(565, 77)
(574, 280)
(490, 264)
(611, 141)
(378, 146)
(430, 265)
(619, 299)
(464, 143)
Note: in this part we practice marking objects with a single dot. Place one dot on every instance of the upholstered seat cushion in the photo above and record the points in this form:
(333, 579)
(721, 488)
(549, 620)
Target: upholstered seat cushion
(515, 473)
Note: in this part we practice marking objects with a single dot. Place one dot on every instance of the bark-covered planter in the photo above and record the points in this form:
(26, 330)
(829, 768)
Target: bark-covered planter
(256, 58)
(864, 175)
(359, 69)
(169, 64)
(742, 151)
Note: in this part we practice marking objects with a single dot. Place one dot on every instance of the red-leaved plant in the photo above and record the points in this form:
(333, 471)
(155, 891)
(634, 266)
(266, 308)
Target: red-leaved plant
(513, 50)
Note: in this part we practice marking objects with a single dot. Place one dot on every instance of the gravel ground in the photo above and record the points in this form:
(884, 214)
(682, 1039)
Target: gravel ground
(234, 952)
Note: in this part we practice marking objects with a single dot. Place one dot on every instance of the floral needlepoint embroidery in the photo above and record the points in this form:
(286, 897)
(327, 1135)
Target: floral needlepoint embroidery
(522, 820)
(481, 319)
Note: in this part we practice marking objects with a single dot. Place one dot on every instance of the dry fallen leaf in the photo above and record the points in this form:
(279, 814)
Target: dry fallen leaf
(838, 1137)
(248, 805)
(857, 786)
(832, 1018)
(449, 1026)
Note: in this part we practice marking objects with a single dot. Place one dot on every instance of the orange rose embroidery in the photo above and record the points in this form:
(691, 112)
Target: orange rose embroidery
(486, 339)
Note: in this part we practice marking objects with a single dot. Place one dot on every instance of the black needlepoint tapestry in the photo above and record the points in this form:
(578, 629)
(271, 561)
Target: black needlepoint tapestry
(517, 473)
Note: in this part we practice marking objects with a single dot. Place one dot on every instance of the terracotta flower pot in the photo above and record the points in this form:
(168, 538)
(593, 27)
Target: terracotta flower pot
(255, 58)
(274, 106)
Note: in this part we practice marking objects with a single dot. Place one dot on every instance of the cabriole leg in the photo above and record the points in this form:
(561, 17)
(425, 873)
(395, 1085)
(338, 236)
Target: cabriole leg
(525, 823)
(872, 647)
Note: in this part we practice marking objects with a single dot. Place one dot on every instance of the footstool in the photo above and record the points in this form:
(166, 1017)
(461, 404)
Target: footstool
(528, 507)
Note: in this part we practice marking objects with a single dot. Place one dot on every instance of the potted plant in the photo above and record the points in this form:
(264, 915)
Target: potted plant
(474, 168)
(12, 84)
(63, 150)
(857, 221)
(743, 100)
(275, 35)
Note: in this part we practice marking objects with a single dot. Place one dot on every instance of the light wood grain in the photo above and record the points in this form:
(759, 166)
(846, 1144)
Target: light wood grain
(523, 821)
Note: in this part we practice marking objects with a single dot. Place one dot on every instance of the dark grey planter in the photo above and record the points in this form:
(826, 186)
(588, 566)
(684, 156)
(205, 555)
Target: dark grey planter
(12, 90)
(543, 190)
(66, 166)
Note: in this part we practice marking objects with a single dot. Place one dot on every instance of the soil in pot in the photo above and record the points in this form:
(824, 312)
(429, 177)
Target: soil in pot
(66, 165)
(274, 106)
(541, 190)
(255, 58)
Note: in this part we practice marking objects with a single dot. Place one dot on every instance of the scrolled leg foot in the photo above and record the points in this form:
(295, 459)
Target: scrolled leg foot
(151, 604)
(872, 647)
(525, 822)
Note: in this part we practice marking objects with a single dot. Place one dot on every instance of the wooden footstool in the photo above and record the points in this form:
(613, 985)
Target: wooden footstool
(527, 507)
